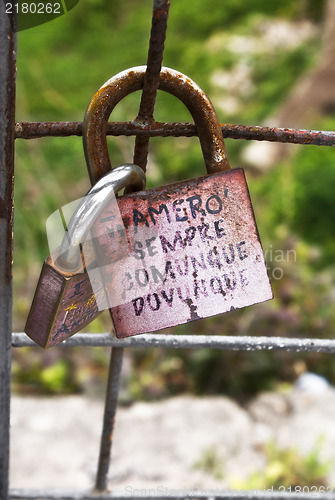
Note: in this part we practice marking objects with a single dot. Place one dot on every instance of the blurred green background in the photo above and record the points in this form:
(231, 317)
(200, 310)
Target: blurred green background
(248, 57)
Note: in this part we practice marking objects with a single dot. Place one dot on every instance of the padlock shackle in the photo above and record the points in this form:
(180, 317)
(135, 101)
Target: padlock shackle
(69, 257)
(171, 81)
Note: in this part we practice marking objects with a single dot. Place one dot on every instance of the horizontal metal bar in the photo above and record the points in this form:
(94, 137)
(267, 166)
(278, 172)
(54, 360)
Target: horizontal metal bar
(33, 130)
(230, 343)
(165, 494)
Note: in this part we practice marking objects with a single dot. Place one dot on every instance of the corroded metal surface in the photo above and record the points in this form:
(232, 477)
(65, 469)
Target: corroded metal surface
(112, 392)
(33, 130)
(62, 305)
(173, 82)
(151, 80)
(7, 123)
(194, 252)
(273, 134)
(155, 57)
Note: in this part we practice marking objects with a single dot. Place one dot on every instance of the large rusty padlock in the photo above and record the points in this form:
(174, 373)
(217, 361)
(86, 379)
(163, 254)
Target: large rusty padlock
(64, 302)
(188, 250)
(192, 248)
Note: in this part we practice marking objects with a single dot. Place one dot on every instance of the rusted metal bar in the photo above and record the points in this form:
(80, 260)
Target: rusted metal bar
(7, 124)
(112, 392)
(155, 58)
(229, 343)
(34, 130)
(96, 172)
(273, 134)
(151, 81)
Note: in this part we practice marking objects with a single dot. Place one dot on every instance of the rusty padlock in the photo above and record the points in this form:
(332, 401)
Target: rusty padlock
(194, 245)
(64, 301)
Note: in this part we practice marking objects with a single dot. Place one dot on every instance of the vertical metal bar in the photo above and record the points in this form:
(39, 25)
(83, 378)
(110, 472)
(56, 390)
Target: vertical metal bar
(151, 81)
(7, 131)
(112, 392)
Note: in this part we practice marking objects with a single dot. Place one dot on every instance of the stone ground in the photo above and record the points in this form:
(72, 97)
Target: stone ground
(54, 442)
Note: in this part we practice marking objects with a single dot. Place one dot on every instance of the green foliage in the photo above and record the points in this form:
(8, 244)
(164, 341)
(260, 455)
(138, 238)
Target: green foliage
(34, 374)
(200, 19)
(156, 374)
(285, 469)
(60, 371)
(54, 378)
(210, 462)
(300, 195)
(273, 78)
(314, 214)
(288, 470)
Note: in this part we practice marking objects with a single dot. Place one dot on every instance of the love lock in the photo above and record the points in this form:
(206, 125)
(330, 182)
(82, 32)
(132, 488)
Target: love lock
(64, 302)
(162, 257)
(192, 248)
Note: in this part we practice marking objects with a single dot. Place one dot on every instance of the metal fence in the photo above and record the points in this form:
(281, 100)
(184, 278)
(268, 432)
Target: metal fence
(9, 131)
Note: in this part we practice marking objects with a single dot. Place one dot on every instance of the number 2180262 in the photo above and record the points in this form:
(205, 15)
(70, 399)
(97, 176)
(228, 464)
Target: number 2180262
(34, 8)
